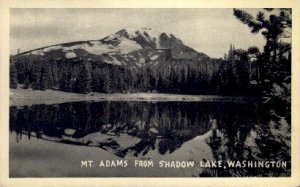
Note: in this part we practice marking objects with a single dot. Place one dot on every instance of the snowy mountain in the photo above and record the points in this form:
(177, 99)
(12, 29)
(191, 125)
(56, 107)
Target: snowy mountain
(130, 60)
(133, 47)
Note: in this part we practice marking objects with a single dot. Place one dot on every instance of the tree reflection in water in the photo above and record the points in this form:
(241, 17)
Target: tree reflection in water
(135, 128)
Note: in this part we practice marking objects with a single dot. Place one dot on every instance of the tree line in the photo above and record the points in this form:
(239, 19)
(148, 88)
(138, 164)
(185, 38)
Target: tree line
(208, 76)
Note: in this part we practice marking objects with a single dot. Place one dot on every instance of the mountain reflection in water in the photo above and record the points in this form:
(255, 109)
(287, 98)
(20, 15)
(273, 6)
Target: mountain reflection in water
(141, 129)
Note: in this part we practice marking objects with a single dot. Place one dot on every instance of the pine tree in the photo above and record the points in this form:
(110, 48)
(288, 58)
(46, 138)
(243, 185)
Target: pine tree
(272, 29)
(83, 80)
(13, 83)
(231, 54)
(225, 56)
(97, 82)
(35, 75)
(63, 82)
(46, 76)
(106, 81)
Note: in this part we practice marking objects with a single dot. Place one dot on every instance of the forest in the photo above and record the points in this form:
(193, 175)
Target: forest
(240, 72)
(210, 76)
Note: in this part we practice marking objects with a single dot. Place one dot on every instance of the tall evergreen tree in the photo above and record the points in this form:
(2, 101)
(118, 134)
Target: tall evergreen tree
(46, 76)
(83, 80)
(13, 75)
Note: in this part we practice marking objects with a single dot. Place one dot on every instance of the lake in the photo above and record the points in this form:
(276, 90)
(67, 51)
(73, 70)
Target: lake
(147, 139)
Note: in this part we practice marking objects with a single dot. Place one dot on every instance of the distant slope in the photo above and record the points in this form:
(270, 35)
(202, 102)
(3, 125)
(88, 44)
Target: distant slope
(127, 47)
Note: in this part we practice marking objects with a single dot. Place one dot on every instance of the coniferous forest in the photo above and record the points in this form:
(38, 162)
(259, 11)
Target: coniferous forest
(211, 76)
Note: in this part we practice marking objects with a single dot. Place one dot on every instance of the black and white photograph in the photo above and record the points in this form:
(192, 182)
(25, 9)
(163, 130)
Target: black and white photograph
(150, 92)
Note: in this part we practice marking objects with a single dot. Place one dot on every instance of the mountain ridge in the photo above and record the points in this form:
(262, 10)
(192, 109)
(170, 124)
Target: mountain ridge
(121, 47)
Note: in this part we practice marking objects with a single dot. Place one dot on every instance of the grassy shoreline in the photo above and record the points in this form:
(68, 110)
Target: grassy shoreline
(23, 97)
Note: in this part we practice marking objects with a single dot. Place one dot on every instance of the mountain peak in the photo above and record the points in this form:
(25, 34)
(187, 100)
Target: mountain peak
(133, 33)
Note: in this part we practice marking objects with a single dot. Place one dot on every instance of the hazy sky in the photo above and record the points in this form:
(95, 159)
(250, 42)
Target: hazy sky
(207, 30)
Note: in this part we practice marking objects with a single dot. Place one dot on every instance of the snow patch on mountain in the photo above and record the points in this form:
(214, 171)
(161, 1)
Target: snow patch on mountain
(70, 55)
(116, 61)
(141, 62)
(93, 49)
(151, 33)
(71, 48)
(38, 52)
(154, 57)
(99, 49)
(133, 33)
(112, 60)
(147, 33)
(95, 42)
(52, 48)
(126, 46)
(132, 57)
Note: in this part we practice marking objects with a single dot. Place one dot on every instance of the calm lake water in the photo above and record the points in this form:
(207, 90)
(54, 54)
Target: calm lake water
(53, 135)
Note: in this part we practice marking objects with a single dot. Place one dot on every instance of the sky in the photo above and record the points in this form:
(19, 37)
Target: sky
(210, 31)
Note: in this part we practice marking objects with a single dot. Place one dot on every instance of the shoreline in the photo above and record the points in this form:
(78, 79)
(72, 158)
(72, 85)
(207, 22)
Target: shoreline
(25, 97)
